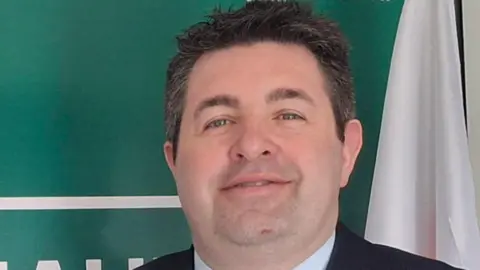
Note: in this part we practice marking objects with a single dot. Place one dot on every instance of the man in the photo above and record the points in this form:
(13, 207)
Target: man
(261, 137)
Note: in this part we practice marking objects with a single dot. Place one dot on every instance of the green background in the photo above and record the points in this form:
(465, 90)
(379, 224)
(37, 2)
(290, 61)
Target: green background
(81, 96)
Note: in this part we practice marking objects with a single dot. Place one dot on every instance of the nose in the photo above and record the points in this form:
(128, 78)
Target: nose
(252, 143)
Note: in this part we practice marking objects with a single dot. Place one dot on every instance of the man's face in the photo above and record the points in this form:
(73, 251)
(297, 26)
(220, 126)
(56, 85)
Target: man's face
(258, 156)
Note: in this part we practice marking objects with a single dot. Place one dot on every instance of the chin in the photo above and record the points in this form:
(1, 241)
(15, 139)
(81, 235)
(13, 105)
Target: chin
(253, 229)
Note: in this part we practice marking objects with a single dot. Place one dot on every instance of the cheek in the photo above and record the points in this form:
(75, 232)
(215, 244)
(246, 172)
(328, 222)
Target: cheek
(198, 164)
(320, 160)
(320, 187)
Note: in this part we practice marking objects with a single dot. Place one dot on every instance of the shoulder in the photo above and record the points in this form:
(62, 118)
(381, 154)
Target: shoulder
(182, 260)
(405, 260)
(352, 251)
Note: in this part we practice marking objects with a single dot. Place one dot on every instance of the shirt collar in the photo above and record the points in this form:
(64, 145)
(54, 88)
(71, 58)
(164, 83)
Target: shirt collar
(199, 263)
(317, 261)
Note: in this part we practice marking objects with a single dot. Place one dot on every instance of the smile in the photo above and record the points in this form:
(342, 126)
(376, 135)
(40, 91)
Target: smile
(255, 184)
(249, 181)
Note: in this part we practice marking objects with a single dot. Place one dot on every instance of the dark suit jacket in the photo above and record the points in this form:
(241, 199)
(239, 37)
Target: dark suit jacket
(350, 252)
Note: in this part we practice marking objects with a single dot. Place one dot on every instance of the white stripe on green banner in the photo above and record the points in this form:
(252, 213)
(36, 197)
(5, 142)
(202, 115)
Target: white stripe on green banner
(94, 202)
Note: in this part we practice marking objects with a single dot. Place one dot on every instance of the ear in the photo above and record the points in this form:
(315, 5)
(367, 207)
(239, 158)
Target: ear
(168, 152)
(351, 148)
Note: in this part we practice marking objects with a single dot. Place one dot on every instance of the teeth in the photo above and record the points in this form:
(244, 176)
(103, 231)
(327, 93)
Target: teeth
(254, 184)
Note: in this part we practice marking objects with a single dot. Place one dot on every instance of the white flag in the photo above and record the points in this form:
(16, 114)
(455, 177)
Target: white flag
(423, 196)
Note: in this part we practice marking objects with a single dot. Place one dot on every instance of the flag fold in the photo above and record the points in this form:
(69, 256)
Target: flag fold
(423, 194)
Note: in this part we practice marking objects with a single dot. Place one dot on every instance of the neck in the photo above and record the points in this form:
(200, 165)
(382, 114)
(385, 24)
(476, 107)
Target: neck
(285, 253)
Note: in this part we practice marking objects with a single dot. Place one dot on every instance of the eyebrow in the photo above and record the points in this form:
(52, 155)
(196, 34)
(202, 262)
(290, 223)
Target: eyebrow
(288, 93)
(219, 100)
(277, 94)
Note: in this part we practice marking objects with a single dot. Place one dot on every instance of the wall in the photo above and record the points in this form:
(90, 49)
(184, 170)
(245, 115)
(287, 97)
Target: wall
(471, 20)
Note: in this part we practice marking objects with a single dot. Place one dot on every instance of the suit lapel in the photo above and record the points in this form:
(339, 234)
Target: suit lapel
(183, 260)
(349, 251)
(189, 263)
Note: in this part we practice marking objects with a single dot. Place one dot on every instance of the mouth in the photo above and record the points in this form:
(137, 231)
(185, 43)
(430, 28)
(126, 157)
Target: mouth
(254, 182)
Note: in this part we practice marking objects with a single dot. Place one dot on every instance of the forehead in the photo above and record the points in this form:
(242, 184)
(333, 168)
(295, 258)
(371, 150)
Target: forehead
(254, 70)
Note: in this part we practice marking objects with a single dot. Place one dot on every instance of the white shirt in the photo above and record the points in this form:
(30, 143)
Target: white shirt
(318, 260)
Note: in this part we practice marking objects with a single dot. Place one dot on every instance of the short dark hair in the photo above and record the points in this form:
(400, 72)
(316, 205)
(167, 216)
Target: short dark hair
(279, 21)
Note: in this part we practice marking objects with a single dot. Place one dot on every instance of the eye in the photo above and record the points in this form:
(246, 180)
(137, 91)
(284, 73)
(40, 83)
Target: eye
(217, 123)
(290, 116)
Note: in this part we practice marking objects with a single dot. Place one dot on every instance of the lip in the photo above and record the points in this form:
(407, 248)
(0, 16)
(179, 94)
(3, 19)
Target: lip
(254, 178)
